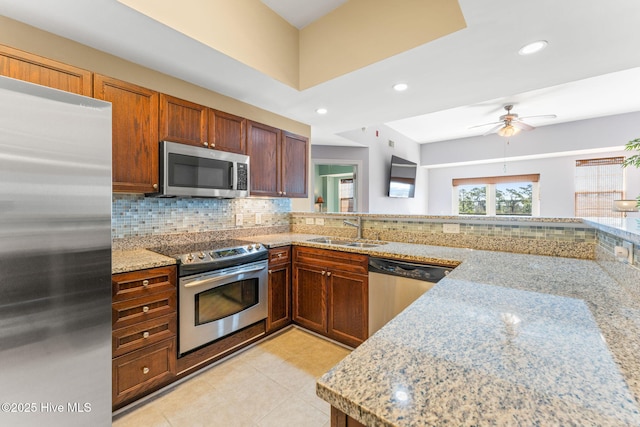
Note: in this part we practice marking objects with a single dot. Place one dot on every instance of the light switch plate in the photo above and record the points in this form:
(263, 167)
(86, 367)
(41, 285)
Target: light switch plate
(319, 221)
(309, 221)
(238, 219)
(258, 218)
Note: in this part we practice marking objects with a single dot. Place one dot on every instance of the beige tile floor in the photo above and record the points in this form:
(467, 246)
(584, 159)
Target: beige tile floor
(270, 384)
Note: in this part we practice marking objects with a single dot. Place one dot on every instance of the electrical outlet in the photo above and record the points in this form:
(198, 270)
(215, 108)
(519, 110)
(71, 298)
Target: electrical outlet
(309, 221)
(451, 228)
(238, 219)
(629, 247)
(319, 221)
(258, 218)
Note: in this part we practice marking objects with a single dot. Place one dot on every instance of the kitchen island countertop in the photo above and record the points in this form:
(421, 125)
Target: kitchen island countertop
(505, 339)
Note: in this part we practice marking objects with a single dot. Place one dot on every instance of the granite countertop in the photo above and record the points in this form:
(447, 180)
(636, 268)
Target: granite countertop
(123, 261)
(505, 339)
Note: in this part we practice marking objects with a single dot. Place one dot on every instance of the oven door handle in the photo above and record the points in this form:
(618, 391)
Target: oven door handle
(223, 277)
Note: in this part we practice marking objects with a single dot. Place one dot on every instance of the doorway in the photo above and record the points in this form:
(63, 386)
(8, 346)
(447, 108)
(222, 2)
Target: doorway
(336, 186)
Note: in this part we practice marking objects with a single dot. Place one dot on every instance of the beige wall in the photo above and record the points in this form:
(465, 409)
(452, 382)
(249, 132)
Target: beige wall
(362, 32)
(36, 41)
(246, 30)
(352, 36)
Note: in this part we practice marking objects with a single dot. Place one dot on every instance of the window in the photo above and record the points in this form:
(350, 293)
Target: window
(598, 183)
(501, 195)
(346, 195)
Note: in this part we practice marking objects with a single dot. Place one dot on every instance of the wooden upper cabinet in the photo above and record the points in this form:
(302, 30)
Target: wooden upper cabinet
(263, 146)
(25, 66)
(228, 132)
(183, 121)
(279, 161)
(295, 154)
(134, 134)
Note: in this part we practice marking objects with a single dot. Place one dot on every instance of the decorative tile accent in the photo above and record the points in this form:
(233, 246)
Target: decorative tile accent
(559, 237)
(135, 215)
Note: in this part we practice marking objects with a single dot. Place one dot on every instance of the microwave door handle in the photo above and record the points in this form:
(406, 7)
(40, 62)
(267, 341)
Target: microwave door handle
(232, 183)
(220, 278)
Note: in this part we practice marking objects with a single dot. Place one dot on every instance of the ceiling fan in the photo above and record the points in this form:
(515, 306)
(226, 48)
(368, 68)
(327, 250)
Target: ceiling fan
(510, 124)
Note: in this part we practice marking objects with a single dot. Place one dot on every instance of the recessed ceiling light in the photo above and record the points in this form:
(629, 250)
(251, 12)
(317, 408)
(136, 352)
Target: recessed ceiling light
(534, 47)
(321, 111)
(400, 87)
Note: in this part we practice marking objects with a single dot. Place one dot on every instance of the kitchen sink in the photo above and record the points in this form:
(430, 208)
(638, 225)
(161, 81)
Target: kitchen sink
(350, 243)
(363, 244)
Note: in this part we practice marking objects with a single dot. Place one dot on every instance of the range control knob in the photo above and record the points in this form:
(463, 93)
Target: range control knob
(250, 247)
(258, 245)
(201, 255)
(189, 258)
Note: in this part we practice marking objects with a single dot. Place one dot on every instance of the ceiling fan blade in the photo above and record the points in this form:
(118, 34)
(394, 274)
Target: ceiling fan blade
(493, 129)
(485, 124)
(544, 116)
(522, 125)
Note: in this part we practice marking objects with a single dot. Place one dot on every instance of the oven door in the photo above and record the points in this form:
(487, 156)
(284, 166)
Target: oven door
(220, 302)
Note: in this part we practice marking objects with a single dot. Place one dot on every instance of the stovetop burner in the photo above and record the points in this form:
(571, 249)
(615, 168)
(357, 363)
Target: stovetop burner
(212, 255)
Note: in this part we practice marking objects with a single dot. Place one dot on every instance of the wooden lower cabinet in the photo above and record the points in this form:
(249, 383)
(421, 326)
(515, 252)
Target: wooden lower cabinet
(140, 372)
(279, 288)
(340, 419)
(331, 293)
(144, 320)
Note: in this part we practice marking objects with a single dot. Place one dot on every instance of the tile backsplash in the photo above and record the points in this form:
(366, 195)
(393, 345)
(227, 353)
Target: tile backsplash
(136, 215)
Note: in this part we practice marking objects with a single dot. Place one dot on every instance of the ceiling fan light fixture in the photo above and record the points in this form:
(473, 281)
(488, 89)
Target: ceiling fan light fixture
(533, 47)
(508, 130)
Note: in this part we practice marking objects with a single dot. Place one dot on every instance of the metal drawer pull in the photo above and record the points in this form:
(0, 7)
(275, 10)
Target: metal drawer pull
(323, 272)
(145, 334)
(145, 309)
(328, 273)
(145, 283)
(145, 370)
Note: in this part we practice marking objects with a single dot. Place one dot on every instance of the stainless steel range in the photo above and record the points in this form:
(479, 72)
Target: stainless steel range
(222, 288)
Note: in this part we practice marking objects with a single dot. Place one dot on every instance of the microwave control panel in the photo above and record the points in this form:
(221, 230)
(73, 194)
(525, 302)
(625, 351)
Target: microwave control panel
(242, 177)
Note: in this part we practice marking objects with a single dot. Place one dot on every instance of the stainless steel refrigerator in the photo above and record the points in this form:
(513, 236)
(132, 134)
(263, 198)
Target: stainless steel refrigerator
(55, 257)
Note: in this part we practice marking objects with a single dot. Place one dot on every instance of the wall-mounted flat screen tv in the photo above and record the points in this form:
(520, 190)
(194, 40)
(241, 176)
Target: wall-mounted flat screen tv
(402, 178)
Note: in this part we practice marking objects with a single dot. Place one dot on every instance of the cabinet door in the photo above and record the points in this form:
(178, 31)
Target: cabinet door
(140, 372)
(228, 132)
(295, 153)
(348, 307)
(309, 297)
(183, 121)
(279, 297)
(134, 135)
(263, 143)
(25, 66)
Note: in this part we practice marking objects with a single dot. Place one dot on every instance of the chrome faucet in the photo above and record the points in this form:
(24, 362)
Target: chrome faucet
(357, 224)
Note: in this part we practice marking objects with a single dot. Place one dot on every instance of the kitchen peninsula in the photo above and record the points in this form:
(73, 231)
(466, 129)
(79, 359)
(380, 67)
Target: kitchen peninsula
(506, 338)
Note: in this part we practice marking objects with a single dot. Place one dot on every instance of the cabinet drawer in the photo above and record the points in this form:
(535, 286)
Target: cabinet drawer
(280, 255)
(332, 260)
(143, 334)
(126, 313)
(143, 370)
(142, 283)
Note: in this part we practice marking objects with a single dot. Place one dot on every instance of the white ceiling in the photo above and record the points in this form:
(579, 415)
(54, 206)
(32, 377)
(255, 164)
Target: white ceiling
(591, 67)
(301, 13)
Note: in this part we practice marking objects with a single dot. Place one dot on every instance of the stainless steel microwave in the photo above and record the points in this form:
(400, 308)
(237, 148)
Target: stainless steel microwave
(190, 171)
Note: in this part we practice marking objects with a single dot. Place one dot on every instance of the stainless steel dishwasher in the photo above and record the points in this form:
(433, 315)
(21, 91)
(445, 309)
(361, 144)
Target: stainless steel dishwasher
(394, 285)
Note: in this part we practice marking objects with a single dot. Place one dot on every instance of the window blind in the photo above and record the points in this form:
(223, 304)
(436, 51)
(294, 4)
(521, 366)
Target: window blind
(598, 183)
